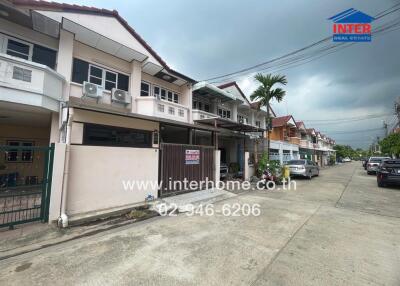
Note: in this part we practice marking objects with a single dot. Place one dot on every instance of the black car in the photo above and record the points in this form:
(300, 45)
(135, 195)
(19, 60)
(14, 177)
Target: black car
(388, 172)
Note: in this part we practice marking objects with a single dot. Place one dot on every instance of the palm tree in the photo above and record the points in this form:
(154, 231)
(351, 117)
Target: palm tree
(265, 93)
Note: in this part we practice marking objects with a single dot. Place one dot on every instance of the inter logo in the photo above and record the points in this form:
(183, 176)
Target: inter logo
(352, 26)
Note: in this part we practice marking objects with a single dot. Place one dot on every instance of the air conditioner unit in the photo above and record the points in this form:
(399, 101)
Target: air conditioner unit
(92, 90)
(120, 96)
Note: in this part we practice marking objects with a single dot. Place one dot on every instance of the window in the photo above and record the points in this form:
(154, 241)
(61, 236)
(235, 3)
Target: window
(144, 89)
(181, 112)
(207, 107)
(176, 98)
(18, 155)
(258, 124)
(110, 80)
(161, 108)
(224, 113)
(171, 110)
(31, 52)
(169, 96)
(22, 74)
(19, 49)
(242, 119)
(156, 92)
(163, 94)
(101, 135)
(84, 71)
(44, 56)
(95, 75)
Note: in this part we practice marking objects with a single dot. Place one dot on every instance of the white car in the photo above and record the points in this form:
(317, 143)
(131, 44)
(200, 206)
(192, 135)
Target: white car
(346, 160)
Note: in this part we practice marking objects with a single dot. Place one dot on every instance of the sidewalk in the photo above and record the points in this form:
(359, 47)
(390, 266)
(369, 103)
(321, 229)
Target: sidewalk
(34, 236)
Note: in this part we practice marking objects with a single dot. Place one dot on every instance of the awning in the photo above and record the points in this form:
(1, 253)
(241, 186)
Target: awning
(229, 124)
(95, 40)
(30, 19)
(210, 91)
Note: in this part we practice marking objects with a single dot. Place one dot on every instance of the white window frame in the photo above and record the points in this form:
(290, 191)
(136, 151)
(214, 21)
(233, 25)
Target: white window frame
(145, 82)
(103, 76)
(224, 113)
(5, 46)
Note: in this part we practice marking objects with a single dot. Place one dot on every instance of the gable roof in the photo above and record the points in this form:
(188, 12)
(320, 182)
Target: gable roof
(281, 121)
(300, 123)
(352, 16)
(253, 105)
(64, 7)
(233, 83)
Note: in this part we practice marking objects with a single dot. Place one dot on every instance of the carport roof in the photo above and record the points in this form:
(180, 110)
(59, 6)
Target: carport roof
(229, 124)
(208, 90)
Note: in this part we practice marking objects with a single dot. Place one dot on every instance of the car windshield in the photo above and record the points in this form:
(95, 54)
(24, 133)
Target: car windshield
(376, 160)
(296, 162)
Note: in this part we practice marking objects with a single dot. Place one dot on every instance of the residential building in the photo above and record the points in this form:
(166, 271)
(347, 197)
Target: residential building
(284, 139)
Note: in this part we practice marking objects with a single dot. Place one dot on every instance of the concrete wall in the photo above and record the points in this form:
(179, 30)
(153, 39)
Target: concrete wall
(97, 174)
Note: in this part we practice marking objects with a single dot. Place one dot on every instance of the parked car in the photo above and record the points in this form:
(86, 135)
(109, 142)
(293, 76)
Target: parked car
(223, 170)
(373, 164)
(346, 160)
(388, 173)
(303, 168)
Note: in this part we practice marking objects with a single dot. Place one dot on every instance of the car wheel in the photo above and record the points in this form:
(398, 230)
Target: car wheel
(309, 175)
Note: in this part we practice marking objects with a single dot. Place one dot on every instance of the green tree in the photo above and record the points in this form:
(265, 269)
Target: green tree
(391, 144)
(265, 93)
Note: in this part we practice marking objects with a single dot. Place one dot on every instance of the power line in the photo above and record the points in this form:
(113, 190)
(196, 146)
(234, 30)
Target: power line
(368, 116)
(351, 131)
(378, 16)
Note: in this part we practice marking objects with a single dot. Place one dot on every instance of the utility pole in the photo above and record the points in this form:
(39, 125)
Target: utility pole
(397, 110)
(385, 126)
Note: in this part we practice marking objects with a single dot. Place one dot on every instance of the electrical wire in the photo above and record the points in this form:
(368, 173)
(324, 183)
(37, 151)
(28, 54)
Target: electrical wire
(291, 54)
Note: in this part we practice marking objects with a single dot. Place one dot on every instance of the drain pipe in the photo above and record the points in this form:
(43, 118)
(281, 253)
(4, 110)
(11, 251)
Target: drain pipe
(63, 219)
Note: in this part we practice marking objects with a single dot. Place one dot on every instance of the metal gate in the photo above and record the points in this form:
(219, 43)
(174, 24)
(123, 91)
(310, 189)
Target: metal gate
(180, 162)
(25, 181)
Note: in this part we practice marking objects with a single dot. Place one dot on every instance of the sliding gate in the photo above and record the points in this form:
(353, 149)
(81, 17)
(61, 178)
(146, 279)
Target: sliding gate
(180, 161)
(25, 180)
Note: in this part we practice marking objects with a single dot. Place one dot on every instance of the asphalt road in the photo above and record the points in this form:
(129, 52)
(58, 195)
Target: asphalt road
(338, 229)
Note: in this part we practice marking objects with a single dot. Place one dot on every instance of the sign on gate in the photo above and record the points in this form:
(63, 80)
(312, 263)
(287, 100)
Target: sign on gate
(192, 157)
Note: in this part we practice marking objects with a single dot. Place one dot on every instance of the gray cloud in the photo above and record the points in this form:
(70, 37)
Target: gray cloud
(207, 38)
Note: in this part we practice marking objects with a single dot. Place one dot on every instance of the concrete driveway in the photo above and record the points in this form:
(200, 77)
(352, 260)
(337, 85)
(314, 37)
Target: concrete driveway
(338, 229)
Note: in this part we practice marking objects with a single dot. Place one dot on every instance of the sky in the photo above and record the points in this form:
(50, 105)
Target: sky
(207, 38)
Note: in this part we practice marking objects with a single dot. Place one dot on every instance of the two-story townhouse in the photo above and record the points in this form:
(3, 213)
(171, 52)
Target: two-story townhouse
(239, 123)
(82, 78)
(306, 147)
(285, 139)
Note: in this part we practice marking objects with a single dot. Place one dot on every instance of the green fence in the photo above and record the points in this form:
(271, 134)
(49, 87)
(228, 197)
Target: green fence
(25, 183)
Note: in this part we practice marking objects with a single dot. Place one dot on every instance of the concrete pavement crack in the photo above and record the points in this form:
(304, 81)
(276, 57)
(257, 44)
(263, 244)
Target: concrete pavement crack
(346, 186)
(267, 268)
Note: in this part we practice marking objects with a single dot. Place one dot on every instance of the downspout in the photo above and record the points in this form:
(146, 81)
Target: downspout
(63, 219)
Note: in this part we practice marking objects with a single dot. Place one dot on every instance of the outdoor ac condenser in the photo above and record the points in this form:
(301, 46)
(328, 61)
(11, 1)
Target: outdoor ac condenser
(120, 96)
(92, 90)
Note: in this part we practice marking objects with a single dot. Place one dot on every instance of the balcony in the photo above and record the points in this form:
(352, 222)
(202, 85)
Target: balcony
(294, 140)
(306, 144)
(200, 114)
(161, 108)
(29, 83)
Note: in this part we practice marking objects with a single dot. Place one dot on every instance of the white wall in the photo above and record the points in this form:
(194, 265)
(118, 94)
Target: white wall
(96, 176)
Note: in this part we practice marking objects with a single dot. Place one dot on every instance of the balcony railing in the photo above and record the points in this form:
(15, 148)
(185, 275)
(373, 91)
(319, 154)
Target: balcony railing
(28, 83)
(200, 114)
(161, 108)
(294, 140)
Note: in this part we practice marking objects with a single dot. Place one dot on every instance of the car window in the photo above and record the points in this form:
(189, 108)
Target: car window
(296, 162)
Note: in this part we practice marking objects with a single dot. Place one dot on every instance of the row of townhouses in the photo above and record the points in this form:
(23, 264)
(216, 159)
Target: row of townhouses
(86, 105)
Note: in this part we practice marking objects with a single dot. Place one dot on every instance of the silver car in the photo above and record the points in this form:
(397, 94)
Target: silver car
(304, 168)
(373, 164)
